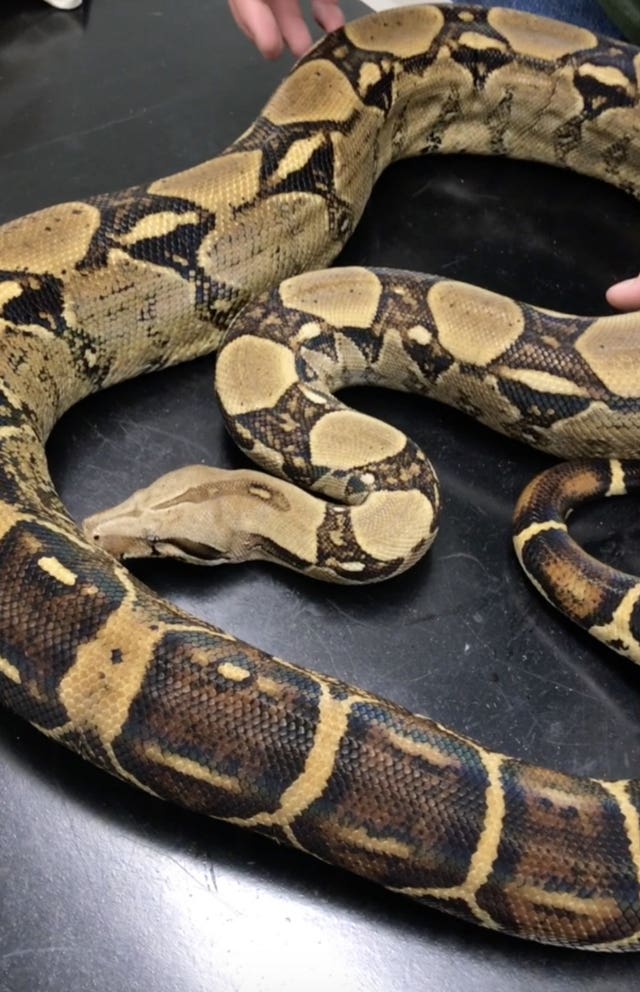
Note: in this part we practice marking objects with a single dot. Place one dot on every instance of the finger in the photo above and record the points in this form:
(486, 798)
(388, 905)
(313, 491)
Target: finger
(256, 19)
(292, 26)
(625, 295)
(327, 14)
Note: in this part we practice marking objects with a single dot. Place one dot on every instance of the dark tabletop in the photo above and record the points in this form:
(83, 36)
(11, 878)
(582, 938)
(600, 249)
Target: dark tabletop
(103, 888)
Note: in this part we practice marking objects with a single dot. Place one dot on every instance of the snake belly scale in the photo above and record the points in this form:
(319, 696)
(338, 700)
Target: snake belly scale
(97, 291)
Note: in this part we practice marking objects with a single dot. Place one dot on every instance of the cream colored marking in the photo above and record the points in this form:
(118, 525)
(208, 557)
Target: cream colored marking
(608, 75)
(57, 570)
(370, 74)
(97, 692)
(632, 825)
(352, 566)
(346, 439)
(49, 240)
(262, 493)
(296, 99)
(347, 297)
(307, 332)
(55, 733)
(297, 156)
(10, 431)
(617, 485)
(185, 766)
(359, 837)
(566, 800)
(611, 346)
(226, 182)
(314, 396)
(534, 37)
(403, 33)
(253, 373)
(157, 225)
(543, 382)
(10, 671)
(423, 750)
(480, 42)
(235, 673)
(391, 524)
(9, 290)
(474, 325)
(632, 942)
(333, 717)
(522, 538)
(420, 334)
(619, 627)
(9, 517)
(589, 906)
(486, 851)
(269, 686)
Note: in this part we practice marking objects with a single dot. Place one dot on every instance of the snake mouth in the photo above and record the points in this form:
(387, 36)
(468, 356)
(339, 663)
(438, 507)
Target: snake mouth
(193, 551)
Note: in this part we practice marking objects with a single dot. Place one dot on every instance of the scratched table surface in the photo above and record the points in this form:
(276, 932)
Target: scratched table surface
(103, 888)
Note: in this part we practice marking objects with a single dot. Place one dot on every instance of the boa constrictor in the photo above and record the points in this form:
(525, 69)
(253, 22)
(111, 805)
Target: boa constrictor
(96, 291)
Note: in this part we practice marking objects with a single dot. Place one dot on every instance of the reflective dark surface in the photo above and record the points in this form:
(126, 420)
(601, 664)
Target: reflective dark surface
(102, 888)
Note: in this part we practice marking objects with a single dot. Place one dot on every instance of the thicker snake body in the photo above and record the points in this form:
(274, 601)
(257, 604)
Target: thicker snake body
(94, 292)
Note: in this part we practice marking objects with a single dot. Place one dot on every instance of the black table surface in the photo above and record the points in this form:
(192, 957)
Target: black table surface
(103, 888)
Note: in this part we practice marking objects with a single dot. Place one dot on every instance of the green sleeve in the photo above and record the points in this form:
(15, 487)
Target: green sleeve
(625, 14)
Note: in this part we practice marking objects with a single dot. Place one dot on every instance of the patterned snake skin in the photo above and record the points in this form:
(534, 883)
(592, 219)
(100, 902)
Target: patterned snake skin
(97, 291)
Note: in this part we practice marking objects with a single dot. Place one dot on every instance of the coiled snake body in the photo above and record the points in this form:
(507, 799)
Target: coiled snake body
(97, 291)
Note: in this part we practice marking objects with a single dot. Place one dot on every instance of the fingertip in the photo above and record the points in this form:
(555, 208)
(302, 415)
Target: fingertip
(297, 37)
(625, 295)
(256, 20)
(271, 48)
(328, 15)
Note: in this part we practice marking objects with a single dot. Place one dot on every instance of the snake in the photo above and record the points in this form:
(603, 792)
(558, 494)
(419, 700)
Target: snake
(234, 256)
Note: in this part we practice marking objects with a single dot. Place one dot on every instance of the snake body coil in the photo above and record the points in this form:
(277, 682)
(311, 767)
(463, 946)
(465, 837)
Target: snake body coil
(97, 291)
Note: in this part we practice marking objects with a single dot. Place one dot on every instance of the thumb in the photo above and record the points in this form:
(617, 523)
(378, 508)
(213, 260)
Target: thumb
(625, 295)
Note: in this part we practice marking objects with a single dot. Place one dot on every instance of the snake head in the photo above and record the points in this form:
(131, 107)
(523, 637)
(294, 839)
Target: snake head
(184, 514)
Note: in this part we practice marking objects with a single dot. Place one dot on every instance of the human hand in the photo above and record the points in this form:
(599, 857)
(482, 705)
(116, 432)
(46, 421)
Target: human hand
(270, 24)
(625, 295)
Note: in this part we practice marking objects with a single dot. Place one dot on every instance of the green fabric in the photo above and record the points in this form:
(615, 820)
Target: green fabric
(625, 14)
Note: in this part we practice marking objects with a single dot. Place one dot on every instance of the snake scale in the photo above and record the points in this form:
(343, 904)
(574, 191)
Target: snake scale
(97, 291)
